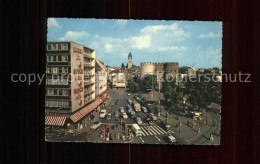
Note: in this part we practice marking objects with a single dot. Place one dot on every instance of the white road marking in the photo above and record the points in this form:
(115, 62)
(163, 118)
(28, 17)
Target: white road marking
(161, 129)
(157, 138)
(143, 130)
(157, 130)
(141, 139)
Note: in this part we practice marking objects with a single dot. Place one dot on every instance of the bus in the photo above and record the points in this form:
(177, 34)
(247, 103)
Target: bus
(137, 130)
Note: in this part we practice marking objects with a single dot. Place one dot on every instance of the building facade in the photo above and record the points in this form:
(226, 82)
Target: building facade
(70, 84)
(101, 78)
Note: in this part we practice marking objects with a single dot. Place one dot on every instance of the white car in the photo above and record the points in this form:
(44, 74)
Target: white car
(171, 139)
(122, 110)
(102, 113)
(125, 115)
(95, 126)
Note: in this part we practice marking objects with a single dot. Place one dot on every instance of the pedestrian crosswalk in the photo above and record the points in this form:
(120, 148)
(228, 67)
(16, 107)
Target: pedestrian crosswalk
(152, 130)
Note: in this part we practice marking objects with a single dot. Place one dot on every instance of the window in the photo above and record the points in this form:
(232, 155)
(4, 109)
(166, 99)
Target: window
(55, 92)
(60, 69)
(55, 103)
(49, 82)
(55, 81)
(49, 47)
(65, 81)
(60, 103)
(54, 46)
(50, 103)
(59, 46)
(54, 58)
(64, 69)
(66, 92)
(54, 70)
(66, 104)
(61, 92)
(65, 58)
(51, 92)
(59, 58)
(60, 81)
(46, 103)
(48, 70)
(65, 46)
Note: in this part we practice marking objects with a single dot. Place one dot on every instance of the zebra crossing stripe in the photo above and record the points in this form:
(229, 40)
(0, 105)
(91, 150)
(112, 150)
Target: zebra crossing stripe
(161, 129)
(152, 130)
(148, 130)
(158, 130)
(144, 131)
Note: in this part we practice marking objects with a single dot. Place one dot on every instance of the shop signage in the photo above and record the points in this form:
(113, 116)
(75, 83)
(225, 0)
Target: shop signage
(78, 50)
(78, 90)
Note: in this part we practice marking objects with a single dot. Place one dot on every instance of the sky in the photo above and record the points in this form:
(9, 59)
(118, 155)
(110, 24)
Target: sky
(190, 43)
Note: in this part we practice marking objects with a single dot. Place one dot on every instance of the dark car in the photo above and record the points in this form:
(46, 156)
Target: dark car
(150, 120)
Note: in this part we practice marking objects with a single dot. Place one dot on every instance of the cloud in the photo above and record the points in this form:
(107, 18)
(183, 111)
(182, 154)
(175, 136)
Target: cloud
(75, 36)
(173, 48)
(166, 33)
(121, 22)
(209, 35)
(108, 47)
(140, 42)
(53, 24)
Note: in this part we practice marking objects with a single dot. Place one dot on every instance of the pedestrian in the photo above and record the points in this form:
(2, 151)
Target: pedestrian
(211, 138)
(199, 130)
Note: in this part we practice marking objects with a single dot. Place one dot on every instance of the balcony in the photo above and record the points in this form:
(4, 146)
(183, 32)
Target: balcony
(88, 82)
(88, 91)
(88, 56)
(88, 64)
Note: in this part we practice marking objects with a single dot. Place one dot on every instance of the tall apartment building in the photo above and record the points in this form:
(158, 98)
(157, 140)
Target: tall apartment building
(101, 78)
(70, 81)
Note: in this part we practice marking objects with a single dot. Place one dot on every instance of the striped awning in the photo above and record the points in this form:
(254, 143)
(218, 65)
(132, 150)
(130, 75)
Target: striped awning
(55, 121)
(83, 112)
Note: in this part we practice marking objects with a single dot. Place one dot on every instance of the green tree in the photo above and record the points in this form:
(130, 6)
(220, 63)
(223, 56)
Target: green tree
(149, 82)
(134, 87)
(171, 93)
(202, 91)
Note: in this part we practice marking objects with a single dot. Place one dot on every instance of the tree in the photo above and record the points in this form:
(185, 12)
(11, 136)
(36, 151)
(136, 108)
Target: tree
(134, 87)
(202, 92)
(149, 82)
(171, 93)
(122, 66)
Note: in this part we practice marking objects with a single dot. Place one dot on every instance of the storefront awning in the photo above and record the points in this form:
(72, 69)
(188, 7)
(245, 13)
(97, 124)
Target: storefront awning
(55, 121)
(83, 112)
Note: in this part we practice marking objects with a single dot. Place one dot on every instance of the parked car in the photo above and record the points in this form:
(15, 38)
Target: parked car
(144, 109)
(125, 115)
(95, 126)
(122, 110)
(116, 114)
(153, 116)
(150, 120)
(171, 139)
(109, 116)
(102, 113)
(138, 120)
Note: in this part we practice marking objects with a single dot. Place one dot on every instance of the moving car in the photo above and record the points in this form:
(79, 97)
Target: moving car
(122, 110)
(116, 114)
(171, 139)
(138, 120)
(102, 113)
(125, 115)
(166, 126)
(109, 116)
(95, 126)
(144, 109)
(137, 130)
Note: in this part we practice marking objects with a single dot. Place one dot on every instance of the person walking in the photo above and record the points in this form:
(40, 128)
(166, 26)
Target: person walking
(199, 130)
(211, 138)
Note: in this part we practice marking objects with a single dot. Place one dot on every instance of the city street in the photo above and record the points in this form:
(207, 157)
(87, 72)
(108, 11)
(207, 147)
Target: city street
(152, 134)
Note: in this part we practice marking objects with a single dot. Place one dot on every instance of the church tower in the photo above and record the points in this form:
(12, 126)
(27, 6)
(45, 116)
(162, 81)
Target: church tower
(130, 62)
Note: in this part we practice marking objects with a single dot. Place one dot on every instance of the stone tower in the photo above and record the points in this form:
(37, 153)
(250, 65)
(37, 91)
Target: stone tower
(130, 62)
